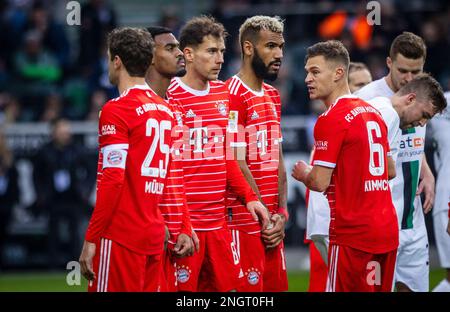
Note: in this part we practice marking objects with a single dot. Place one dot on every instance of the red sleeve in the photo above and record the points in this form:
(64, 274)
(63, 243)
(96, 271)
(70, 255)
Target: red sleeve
(328, 137)
(237, 182)
(237, 119)
(113, 131)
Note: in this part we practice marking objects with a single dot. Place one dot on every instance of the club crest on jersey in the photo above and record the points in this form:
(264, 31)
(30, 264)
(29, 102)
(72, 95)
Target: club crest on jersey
(254, 115)
(222, 108)
(114, 158)
(253, 276)
(183, 274)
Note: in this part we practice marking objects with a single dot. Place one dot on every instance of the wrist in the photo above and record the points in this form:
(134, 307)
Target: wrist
(283, 212)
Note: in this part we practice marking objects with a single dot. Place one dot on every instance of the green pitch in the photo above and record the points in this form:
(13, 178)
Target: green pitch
(48, 282)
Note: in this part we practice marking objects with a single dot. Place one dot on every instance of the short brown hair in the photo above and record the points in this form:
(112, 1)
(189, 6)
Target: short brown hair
(250, 29)
(331, 50)
(194, 31)
(409, 45)
(356, 66)
(134, 46)
(427, 89)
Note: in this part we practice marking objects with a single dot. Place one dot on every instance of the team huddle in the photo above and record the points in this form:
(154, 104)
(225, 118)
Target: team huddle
(191, 181)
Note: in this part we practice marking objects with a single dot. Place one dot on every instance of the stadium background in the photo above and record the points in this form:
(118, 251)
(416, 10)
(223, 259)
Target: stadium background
(68, 78)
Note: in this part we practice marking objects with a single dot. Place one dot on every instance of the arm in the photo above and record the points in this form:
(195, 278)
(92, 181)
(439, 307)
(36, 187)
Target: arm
(316, 178)
(391, 168)
(111, 178)
(238, 184)
(426, 185)
(275, 235)
(239, 154)
(282, 187)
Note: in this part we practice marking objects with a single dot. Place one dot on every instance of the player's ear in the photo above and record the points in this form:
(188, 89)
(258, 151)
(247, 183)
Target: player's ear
(411, 98)
(188, 54)
(247, 48)
(339, 73)
(389, 62)
(117, 62)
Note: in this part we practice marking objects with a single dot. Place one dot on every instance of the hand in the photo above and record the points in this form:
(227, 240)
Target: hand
(257, 209)
(196, 241)
(275, 235)
(87, 254)
(166, 237)
(184, 246)
(300, 171)
(426, 186)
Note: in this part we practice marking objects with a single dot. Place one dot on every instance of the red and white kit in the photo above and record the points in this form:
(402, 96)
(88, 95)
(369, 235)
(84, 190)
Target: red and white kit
(351, 137)
(255, 121)
(207, 174)
(126, 225)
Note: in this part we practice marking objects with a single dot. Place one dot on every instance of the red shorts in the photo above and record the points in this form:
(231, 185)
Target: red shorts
(351, 269)
(318, 272)
(275, 275)
(117, 268)
(215, 267)
(169, 272)
(251, 253)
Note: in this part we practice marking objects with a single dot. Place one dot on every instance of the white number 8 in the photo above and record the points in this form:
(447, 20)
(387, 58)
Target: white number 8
(375, 148)
(158, 137)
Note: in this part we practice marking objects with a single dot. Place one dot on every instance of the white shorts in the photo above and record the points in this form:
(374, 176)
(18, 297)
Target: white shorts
(317, 215)
(440, 222)
(412, 267)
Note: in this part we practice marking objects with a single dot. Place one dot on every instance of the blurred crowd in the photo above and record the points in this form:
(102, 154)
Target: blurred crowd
(45, 73)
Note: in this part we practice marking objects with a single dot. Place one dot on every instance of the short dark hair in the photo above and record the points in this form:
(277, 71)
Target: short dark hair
(409, 45)
(356, 66)
(158, 30)
(134, 46)
(252, 27)
(194, 31)
(426, 88)
(331, 50)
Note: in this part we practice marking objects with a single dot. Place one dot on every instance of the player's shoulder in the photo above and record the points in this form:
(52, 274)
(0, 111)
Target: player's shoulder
(371, 90)
(270, 89)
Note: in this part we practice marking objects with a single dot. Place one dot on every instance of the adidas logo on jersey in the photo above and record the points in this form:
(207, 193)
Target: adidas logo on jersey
(254, 115)
(190, 114)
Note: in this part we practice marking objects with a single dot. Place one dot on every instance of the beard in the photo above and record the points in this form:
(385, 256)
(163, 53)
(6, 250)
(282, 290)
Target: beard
(261, 70)
(181, 72)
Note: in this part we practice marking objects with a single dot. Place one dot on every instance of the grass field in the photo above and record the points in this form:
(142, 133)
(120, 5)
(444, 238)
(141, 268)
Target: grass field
(51, 282)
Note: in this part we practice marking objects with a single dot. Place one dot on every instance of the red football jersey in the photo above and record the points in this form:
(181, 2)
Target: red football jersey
(351, 137)
(257, 114)
(173, 204)
(207, 172)
(134, 142)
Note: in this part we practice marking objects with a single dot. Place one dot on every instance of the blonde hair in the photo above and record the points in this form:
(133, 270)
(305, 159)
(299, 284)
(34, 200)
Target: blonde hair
(250, 29)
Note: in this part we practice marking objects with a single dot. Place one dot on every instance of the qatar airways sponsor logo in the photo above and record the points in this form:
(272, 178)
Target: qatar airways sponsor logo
(376, 185)
(321, 145)
(108, 129)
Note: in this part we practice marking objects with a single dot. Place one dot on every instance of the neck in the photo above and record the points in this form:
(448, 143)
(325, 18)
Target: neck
(396, 103)
(248, 76)
(126, 82)
(157, 82)
(389, 82)
(194, 80)
(336, 93)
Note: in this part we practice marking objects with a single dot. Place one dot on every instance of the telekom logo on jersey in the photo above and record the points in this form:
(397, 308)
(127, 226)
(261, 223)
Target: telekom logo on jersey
(214, 142)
